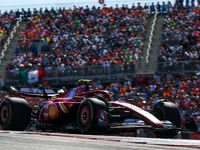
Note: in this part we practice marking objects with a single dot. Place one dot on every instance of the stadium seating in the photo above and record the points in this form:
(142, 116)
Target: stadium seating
(97, 39)
(180, 40)
(7, 21)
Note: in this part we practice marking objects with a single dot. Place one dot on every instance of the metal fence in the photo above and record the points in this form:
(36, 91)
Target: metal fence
(26, 45)
(171, 39)
(178, 66)
(70, 74)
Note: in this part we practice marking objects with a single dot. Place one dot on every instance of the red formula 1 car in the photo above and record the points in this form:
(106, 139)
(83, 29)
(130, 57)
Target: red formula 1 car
(88, 111)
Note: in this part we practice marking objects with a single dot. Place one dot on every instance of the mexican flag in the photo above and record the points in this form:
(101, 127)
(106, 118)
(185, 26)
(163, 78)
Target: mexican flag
(31, 76)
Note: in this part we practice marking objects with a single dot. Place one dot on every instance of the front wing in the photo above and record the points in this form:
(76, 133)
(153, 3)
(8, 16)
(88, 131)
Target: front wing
(133, 128)
(130, 127)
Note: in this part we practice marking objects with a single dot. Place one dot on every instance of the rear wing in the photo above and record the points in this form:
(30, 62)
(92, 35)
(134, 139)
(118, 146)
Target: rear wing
(37, 92)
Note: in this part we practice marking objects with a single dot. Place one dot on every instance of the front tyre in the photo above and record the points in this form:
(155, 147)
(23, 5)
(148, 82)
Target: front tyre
(92, 116)
(167, 111)
(14, 114)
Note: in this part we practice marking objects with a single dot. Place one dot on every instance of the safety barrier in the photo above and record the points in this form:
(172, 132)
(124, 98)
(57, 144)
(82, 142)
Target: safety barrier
(5, 48)
(73, 73)
(151, 36)
(27, 45)
(178, 66)
(171, 38)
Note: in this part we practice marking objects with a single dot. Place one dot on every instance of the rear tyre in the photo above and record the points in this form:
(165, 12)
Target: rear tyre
(14, 114)
(92, 116)
(167, 111)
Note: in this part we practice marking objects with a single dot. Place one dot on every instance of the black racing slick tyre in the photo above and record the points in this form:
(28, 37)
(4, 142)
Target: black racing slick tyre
(15, 114)
(169, 111)
(92, 116)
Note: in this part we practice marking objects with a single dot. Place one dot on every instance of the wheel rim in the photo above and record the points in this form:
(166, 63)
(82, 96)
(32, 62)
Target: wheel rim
(4, 114)
(85, 116)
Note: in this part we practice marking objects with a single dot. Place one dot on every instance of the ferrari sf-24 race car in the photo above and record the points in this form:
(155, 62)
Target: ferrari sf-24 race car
(88, 111)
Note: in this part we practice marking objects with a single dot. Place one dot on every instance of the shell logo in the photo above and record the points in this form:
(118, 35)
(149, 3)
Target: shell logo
(53, 111)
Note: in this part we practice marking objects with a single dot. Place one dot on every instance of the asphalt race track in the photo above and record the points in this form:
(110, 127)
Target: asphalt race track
(13, 140)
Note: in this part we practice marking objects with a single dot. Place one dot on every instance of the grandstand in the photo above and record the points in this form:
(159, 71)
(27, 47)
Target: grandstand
(180, 46)
(7, 22)
(134, 51)
(94, 42)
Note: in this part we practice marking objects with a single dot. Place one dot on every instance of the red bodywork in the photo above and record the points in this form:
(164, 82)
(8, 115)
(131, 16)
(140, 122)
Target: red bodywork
(69, 101)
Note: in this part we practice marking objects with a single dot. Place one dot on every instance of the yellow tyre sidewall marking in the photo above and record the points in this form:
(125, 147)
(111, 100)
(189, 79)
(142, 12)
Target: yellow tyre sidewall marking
(91, 109)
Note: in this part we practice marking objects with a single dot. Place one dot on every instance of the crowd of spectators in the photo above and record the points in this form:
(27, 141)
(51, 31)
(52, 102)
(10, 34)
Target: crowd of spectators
(181, 39)
(7, 22)
(79, 37)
